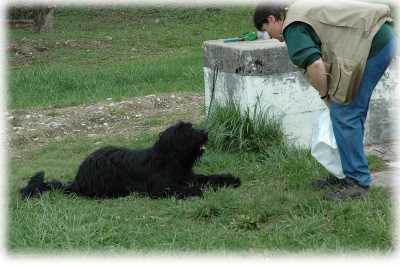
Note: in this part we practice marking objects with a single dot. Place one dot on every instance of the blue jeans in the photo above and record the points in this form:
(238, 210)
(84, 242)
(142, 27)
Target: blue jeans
(348, 120)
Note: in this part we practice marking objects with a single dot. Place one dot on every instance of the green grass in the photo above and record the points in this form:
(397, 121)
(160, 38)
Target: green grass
(275, 210)
(148, 53)
(253, 129)
(375, 162)
(63, 85)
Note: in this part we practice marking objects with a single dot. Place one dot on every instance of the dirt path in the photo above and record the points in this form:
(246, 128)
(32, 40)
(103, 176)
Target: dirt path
(32, 128)
(388, 153)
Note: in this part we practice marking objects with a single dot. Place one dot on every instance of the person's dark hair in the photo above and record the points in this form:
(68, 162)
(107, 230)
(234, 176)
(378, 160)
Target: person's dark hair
(269, 8)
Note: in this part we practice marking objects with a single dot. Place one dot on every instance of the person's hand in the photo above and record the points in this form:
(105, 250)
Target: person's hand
(326, 99)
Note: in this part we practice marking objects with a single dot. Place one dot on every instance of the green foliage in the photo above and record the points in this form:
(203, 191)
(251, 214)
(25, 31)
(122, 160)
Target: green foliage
(275, 209)
(97, 53)
(245, 222)
(254, 130)
(375, 163)
(206, 212)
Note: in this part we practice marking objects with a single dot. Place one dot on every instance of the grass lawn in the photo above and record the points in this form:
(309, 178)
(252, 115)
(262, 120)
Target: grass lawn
(275, 209)
(96, 54)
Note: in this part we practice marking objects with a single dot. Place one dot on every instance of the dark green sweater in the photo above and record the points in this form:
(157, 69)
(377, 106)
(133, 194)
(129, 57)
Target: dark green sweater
(304, 46)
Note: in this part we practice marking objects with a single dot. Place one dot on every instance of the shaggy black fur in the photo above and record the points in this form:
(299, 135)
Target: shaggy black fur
(163, 170)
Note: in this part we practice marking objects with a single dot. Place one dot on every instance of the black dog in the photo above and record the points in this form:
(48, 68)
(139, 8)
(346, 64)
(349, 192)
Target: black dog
(163, 170)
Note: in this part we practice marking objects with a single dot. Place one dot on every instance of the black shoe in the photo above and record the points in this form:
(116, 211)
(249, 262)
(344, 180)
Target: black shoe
(329, 181)
(352, 190)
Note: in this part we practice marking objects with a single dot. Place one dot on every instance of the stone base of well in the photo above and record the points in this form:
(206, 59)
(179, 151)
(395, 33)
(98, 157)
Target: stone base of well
(260, 71)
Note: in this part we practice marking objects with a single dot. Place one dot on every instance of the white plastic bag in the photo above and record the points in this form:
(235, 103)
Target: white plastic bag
(323, 145)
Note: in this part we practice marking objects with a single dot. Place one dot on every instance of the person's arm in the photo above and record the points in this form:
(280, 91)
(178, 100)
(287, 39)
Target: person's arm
(304, 49)
(316, 74)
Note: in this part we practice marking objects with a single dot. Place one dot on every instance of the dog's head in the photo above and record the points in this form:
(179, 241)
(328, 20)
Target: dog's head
(184, 141)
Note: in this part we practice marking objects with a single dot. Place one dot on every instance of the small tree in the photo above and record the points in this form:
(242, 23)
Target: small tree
(41, 17)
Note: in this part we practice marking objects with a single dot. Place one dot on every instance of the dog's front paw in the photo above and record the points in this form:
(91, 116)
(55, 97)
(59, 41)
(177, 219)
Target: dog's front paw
(188, 193)
(235, 182)
(230, 180)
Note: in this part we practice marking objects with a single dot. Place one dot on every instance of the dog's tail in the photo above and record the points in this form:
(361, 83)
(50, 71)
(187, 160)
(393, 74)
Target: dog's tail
(36, 186)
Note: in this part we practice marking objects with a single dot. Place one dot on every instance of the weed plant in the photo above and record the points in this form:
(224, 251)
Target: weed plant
(231, 129)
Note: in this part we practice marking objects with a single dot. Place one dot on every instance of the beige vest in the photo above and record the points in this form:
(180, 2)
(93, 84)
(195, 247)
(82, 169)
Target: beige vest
(346, 30)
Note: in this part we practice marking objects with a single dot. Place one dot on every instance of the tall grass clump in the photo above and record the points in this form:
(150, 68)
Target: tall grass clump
(231, 129)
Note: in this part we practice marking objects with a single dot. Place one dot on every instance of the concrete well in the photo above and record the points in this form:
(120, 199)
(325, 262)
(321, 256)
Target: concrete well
(247, 72)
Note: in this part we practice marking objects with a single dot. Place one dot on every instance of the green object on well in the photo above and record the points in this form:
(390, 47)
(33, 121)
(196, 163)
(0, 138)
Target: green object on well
(248, 36)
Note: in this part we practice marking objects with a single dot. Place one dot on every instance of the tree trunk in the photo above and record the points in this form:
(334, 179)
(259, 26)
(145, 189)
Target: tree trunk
(43, 18)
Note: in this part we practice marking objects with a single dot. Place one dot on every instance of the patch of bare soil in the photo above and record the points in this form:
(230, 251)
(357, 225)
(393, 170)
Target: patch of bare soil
(23, 52)
(37, 127)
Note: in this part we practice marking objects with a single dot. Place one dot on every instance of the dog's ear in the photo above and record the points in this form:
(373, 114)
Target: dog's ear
(182, 124)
